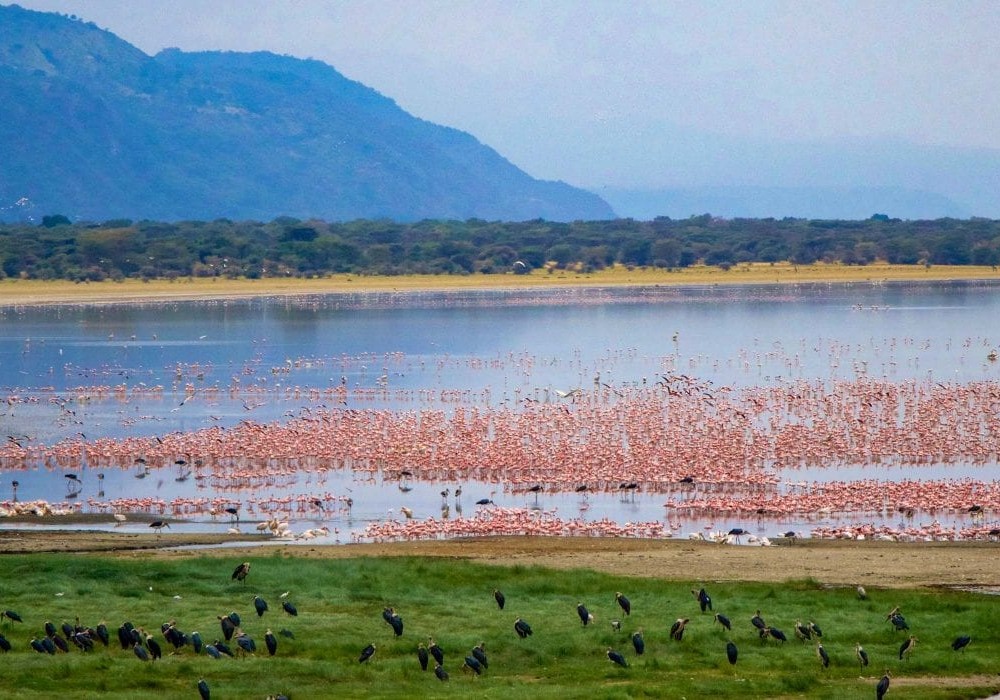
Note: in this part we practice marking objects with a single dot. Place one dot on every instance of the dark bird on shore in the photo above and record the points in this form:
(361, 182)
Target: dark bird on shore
(775, 633)
(246, 643)
(228, 626)
(396, 622)
(883, 686)
(196, 642)
(50, 628)
(37, 646)
(203, 690)
(737, 532)
(624, 603)
(802, 631)
(4, 644)
(60, 643)
(260, 605)
(213, 651)
(102, 633)
(961, 642)
(724, 621)
(704, 600)
(616, 625)
(899, 622)
(824, 658)
(479, 651)
(223, 648)
(906, 648)
(435, 650)
(585, 616)
(522, 628)
(758, 621)
(271, 642)
(861, 654)
(638, 643)
(499, 598)
(154, 647)
(11, 616)
(366, 653)
(158, 525)
(83, 640)
(617, 658)
(287, 634)
(422, 656)
(484, 502)
(48, 645)
(241, 571)
(472, 663)
(441, 674)
(140, 652)
(289, 608)
(677, 629)
(234, 513)
(814, 628)
(731, 652)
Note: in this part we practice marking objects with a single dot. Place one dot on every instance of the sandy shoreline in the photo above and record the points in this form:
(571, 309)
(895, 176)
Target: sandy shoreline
(875, 565)
(34, 292)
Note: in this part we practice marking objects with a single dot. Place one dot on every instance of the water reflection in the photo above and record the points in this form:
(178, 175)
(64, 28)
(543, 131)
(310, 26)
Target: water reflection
(82, 374)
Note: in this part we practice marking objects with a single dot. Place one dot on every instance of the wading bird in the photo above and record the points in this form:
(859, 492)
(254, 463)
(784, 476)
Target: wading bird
(862, 593)
(479, 652)
(704, 600)
(907, 648)
(522, 628)
(731, 652)
(422, 656)
(758, 621)
(624, 603)
(824, 658)
(366, 653)
(677, 629)
(436, 651)
(961, 642)
(441, 674)
(473, 664)
(638, 643)
(289, 608)
(586, 617)
(260, 605)
(241, 571)
(859, 651)
(883, 686)
(158, 525)
(724, 621)
(617, 658)
(203, 690)
(499, 598)
(814, 628)
(802, 631)
(271, 642)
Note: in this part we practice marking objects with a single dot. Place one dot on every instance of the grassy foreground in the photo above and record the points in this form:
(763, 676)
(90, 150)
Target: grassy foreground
(340, 602)
(60, 291)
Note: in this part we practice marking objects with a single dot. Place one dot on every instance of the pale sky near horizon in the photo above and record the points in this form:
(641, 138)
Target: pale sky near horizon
(596, 93)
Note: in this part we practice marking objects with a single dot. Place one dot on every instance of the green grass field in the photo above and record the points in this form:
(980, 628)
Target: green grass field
(340, 604)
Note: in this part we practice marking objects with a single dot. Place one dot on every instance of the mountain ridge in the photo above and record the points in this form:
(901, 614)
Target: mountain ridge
(98, 129)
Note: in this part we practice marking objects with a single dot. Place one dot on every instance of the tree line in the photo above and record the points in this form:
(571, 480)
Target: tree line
(118, 249)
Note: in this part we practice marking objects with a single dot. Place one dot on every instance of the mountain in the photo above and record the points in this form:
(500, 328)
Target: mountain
(93, 128)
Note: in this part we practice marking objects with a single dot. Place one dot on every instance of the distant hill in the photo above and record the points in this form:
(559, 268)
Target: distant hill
(93, 128)
(753, 202)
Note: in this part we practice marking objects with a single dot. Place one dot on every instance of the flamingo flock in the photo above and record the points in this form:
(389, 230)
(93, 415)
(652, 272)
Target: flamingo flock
(711, 451)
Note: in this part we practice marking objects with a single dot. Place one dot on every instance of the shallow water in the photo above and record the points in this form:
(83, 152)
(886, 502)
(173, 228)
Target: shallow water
(158, 368)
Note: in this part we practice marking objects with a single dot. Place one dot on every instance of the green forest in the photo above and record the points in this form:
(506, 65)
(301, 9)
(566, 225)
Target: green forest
(60, 249)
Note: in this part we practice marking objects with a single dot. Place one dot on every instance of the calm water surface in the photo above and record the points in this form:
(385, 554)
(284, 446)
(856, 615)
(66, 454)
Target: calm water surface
(183, 366)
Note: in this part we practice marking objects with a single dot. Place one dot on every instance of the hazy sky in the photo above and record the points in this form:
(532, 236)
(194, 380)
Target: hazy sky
(606, 93)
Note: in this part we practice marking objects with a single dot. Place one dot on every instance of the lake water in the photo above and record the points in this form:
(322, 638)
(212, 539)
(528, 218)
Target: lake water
(154, 369)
